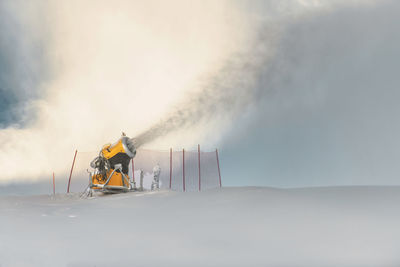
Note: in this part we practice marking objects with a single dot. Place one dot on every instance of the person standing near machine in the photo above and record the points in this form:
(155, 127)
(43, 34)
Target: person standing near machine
(155, 185)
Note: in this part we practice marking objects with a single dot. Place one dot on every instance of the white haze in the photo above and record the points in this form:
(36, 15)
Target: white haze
(329, 109)
(183, 66)
(116, 66)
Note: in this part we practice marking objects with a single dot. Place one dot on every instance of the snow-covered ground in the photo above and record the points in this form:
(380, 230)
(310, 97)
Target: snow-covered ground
(247, 226)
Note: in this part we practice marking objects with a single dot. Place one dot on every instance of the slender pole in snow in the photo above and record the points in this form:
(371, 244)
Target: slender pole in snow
(198, 150)
(133, 171)
(170, 168)
(183, 172)
(141, 180)
(54, 185)
(219, 170)
(72, 168)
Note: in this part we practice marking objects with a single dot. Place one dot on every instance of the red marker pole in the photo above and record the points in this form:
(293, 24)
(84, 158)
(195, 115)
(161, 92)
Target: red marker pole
(72, 168)
(54, 185)
(183, 172)
(170, 168)
(219, 170)
(198, 150)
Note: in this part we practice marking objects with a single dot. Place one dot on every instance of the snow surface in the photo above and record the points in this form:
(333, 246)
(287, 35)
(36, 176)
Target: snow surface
(247, 226)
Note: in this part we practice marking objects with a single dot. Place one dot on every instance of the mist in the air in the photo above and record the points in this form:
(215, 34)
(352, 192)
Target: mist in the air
(294, 93)
(328, 103)
(104, 68)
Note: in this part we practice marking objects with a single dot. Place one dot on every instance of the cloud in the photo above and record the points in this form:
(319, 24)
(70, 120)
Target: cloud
(110, 67)
(22, 61)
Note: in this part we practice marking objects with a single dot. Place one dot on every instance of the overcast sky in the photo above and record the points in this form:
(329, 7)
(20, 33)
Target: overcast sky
(334, 116)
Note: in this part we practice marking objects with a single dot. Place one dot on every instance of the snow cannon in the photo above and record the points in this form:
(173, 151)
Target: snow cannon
(111, 167)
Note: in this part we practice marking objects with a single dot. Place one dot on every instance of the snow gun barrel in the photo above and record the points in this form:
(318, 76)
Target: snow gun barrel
(124, 145)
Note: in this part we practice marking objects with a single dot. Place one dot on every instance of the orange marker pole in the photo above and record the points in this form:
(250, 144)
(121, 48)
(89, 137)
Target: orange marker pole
(219, 170)
(170, 168)
(198, 150)
(72, 168)
(54, 185)
(183, 171)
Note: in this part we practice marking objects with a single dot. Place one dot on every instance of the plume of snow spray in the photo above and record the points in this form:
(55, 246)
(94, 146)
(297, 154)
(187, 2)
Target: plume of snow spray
(222, 95)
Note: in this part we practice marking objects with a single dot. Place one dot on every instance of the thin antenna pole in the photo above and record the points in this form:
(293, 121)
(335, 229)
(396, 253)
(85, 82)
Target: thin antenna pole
(183, 172)
(72, 168)
(198, 150)
(170, 168)
(54, 185)
(219, 170)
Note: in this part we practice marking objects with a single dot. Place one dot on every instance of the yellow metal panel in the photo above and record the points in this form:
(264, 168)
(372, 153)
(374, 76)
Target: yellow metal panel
(110, 151)
(116, 180)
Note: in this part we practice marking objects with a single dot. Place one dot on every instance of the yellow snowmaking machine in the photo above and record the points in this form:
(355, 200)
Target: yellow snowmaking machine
(111, 167)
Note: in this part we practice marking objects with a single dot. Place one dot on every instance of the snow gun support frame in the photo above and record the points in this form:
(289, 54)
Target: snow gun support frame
(126, 184)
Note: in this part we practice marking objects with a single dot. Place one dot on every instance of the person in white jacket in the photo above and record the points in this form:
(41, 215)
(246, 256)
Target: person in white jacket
(155, 185)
